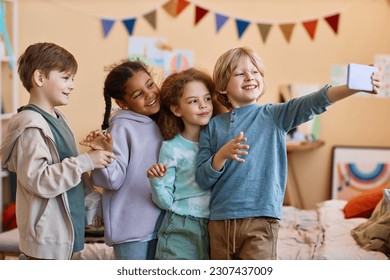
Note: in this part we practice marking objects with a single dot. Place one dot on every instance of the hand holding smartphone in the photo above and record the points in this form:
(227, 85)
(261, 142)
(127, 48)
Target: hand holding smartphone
(359, 77)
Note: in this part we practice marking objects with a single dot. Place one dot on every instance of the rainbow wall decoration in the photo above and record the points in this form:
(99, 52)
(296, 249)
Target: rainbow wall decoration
(359, 169)
(355, 178)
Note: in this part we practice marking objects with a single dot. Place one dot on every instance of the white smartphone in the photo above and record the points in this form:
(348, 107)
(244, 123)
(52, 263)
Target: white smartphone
(359, 77)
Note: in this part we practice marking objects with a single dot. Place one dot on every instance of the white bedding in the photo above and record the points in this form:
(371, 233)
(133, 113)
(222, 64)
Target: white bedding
(299, 234)
(304, 235)
(95, 251)
(320, 234)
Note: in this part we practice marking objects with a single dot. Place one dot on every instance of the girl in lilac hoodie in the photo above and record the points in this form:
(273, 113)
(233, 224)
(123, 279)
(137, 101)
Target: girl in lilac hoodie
(130, 216)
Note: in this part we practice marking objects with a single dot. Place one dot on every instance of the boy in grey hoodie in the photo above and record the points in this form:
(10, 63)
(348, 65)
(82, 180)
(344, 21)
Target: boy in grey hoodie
(41, 149)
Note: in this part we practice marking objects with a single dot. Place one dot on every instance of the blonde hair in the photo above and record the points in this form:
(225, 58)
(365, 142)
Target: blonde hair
(225, 66)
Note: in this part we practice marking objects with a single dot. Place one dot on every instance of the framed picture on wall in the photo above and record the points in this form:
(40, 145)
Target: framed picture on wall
(359, 169)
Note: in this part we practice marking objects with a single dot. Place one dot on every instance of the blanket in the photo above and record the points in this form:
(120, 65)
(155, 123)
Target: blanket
(374, 234)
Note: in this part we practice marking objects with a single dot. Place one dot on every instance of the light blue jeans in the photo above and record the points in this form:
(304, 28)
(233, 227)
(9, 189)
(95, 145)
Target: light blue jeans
(135, 250)
(183, 238)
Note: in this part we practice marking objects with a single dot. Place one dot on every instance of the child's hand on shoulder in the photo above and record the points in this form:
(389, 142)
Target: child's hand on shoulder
(98, 140)
(157, 170)
(101, 158)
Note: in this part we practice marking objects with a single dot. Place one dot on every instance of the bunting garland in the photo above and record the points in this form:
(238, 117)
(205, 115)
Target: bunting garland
(310, 26)
(264, 30)
(151, 19)
(333, 22)
(107, 25)
(287, 29)
(175, 7)
(129, 24)
(199, 14)
(220, 21)
(242, 25)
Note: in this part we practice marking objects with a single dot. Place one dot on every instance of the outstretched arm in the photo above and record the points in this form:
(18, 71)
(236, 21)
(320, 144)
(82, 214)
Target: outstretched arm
(337, 93)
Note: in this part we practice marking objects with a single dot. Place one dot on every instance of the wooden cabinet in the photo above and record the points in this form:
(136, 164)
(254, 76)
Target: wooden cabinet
(293, 194)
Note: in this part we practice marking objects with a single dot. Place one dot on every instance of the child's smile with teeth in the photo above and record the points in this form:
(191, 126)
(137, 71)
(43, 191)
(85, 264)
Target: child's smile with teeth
(250, 87)
(152, 103)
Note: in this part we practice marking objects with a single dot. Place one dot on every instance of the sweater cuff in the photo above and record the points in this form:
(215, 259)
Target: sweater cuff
(325, 101)
(212, 172)
(86, 163)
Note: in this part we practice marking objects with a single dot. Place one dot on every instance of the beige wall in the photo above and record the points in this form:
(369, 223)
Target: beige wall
(363, 33)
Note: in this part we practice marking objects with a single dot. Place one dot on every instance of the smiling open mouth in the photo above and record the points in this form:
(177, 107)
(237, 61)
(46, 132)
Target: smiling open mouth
(152, 103)
(249, 87)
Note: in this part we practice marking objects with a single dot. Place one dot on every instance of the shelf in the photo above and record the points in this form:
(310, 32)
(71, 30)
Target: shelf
(6, 116)
(5, 58)
(304, 146)
(4, 173)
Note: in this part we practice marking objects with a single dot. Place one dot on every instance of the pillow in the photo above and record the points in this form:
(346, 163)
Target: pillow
(374, 234)
(362, 205)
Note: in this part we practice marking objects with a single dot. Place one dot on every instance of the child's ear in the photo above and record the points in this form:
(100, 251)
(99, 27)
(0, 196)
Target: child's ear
(175, 110)
(38, 77)
(121, 104)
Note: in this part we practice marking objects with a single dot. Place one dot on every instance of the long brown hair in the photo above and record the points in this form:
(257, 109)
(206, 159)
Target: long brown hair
(171, 91)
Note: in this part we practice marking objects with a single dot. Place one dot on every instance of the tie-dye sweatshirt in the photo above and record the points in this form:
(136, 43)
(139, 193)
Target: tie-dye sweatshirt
(178, 190)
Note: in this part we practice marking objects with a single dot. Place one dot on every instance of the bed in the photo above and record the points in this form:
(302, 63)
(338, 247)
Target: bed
(94, 248)
(320, 234)
(325, 233)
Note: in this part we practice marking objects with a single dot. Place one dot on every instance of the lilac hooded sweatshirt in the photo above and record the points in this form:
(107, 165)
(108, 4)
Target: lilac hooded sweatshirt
(128, 210)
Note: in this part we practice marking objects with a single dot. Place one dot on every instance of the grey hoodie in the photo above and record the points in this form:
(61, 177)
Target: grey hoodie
(42, 209)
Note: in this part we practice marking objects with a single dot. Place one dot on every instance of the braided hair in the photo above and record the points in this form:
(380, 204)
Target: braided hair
(114, 85)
